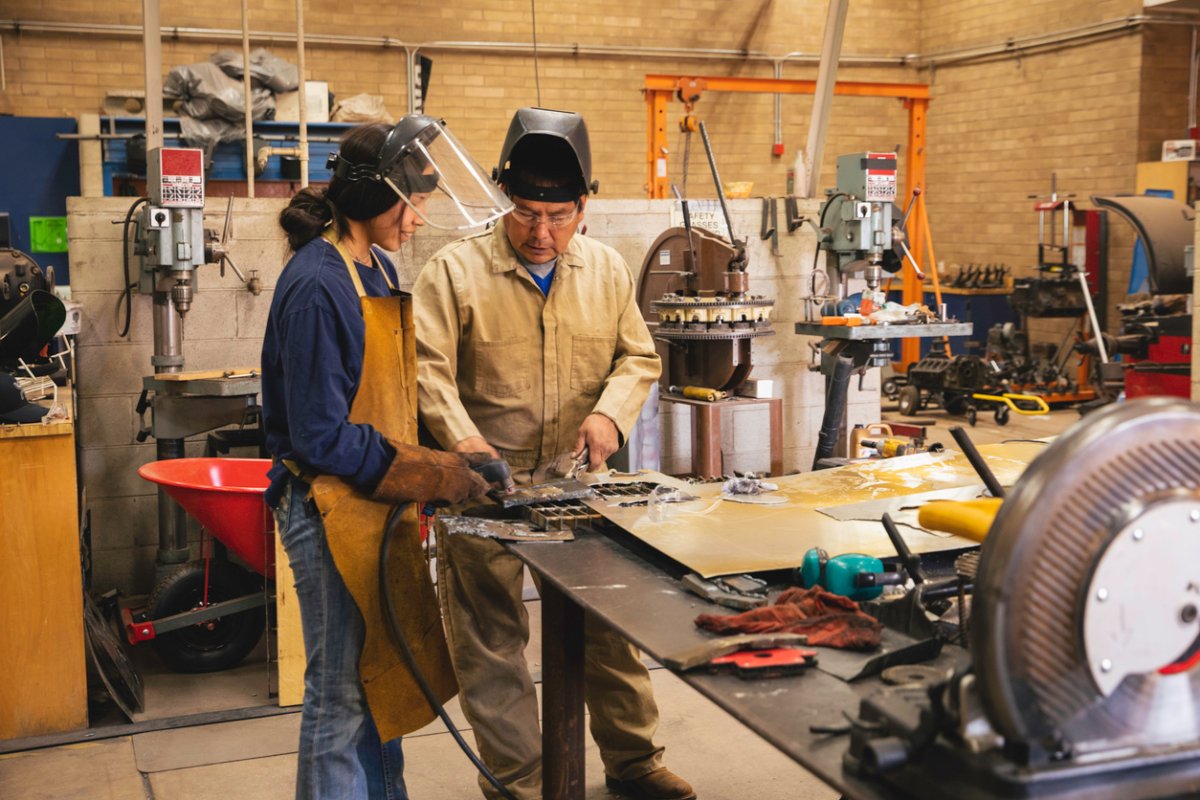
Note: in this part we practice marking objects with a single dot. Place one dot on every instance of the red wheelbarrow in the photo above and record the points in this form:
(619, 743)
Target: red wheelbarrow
(206, 615)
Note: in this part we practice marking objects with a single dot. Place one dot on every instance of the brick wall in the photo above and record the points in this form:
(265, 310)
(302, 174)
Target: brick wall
(53, 75)
(999, 129)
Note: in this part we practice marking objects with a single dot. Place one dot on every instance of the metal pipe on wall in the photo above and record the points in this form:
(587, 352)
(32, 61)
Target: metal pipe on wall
(152, 55)
(777, 148)
(1009, 46)
(249, 98)
(303, 97)
(1021, 44)
(1194, 65)
(410, 57)
(222, 34)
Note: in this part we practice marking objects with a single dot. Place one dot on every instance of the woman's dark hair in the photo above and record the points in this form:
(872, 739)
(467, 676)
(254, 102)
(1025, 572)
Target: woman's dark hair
(311, 210)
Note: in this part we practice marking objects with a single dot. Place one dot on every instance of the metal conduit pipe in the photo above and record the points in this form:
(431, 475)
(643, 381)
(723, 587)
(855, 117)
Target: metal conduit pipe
(778, 142)
(1194, 65)
(1009, 46)
(223, 34)
(303, 96)
(410, 57)
(1021, 44)
(247, 98)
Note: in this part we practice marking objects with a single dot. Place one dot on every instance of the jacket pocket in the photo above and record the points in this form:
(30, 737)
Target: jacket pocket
(591, 362)
(502, 367)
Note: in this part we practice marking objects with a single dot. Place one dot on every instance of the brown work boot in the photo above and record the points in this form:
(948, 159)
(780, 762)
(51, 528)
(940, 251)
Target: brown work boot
(661, 784)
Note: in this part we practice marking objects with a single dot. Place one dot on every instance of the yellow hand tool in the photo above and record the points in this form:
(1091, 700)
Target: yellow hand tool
(967, 518)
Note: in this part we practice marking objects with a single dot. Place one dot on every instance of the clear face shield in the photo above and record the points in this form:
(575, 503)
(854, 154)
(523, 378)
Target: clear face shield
(435, 162)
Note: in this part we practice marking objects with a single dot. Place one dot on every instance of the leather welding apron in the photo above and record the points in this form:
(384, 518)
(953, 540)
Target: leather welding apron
(354, 525)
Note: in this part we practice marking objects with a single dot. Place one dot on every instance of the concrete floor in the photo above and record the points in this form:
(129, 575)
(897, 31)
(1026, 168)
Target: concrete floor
(255, 759)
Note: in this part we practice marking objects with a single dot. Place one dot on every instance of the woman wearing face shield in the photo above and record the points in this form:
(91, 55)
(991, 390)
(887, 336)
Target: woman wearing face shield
(339, 410)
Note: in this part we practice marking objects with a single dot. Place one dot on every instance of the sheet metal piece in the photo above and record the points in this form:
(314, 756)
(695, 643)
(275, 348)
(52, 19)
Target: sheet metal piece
(701, 654)
(564, 489)
(503, 530)
(560, 515)
(712, 537)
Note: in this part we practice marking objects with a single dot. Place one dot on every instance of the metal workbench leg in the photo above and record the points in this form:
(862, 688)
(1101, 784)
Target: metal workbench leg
(562, 696)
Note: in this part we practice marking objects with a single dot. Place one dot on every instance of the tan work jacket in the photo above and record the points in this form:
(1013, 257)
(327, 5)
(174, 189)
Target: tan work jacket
(499, 360)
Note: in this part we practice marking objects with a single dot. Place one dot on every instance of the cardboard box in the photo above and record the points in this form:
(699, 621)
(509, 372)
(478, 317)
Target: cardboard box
(1179, 150)
(287, 104)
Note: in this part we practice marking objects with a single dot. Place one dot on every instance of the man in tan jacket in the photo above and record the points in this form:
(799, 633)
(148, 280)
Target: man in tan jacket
(530, 345)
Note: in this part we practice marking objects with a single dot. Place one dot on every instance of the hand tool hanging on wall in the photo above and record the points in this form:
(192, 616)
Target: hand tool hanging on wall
(770, 224)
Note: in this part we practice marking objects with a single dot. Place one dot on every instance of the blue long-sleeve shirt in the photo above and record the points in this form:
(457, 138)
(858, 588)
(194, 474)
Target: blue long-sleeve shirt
(312, 361)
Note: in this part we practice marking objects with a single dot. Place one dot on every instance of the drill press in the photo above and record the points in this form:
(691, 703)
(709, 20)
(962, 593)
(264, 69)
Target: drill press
(173, 243)
(858, 234)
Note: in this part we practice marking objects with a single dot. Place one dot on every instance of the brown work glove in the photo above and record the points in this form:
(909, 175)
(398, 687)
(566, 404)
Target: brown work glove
(432, 476)
(829, 620)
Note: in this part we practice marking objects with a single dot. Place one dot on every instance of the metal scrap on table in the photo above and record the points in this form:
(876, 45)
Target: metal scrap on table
(564, 489)
(503, 530)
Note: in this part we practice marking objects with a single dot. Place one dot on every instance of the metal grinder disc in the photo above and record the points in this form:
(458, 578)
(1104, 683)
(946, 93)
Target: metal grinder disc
(1036, 574)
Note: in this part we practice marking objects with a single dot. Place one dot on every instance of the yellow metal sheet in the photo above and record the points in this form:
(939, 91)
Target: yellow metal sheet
(715, 537)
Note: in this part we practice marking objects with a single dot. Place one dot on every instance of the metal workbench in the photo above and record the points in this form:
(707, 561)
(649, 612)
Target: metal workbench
(618, 583)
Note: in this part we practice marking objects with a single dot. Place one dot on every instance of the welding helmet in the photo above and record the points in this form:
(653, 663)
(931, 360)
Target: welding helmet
(533, 135)
(29, 327)
(420, 156)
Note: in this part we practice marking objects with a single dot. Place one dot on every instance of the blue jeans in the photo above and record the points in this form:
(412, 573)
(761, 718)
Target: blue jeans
(341, 757)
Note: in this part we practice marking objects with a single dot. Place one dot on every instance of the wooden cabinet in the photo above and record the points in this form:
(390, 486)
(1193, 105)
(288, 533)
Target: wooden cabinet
(43, 677)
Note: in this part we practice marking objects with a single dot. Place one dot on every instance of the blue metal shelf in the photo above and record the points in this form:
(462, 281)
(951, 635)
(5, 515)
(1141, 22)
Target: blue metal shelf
(229, 158)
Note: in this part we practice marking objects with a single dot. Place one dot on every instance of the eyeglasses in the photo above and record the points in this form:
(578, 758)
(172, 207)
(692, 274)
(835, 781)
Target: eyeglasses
(556, 221)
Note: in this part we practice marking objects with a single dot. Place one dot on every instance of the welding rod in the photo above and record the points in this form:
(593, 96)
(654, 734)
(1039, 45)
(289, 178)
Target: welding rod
(981, 467)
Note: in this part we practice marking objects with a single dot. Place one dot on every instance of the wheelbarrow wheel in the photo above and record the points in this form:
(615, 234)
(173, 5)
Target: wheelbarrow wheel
(218, 643)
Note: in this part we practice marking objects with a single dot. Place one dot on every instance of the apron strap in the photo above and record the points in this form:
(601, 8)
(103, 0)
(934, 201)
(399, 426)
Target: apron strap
(349, 261)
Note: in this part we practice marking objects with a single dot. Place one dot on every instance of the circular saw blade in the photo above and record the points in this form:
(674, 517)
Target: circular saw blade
(1036, 565)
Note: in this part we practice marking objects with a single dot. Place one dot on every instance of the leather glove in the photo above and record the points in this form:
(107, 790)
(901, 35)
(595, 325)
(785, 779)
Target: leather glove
(433, 476)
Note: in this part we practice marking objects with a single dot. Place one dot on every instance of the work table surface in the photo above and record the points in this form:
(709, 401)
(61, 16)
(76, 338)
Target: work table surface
(644, 602)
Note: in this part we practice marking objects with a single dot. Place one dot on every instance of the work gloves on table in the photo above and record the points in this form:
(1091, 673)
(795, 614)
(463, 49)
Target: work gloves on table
(829, 620)
(433, 476)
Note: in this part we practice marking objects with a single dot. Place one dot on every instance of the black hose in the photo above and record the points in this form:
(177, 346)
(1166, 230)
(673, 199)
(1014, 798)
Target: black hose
(820, 226)
(837, 388)
(981, 468)
(401, 643)
(127, 294)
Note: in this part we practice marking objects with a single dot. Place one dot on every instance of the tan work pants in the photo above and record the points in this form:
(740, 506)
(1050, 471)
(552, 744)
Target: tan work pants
(487, 628)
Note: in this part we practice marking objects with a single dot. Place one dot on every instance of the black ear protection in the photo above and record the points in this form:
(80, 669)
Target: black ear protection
(341, 168)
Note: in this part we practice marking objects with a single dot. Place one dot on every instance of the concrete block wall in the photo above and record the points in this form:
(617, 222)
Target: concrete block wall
(224, 330)
(226, 324)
